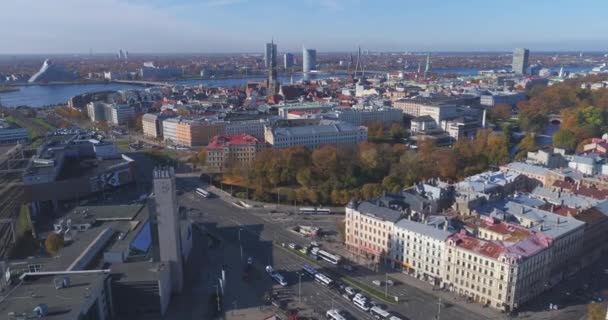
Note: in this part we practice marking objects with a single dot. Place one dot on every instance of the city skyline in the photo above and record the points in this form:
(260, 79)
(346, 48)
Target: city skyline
(222, 26)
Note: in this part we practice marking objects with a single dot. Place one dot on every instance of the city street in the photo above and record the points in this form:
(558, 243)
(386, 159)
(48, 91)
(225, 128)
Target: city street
(260, 237)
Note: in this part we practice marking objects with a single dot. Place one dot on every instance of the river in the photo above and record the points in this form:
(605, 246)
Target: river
(38, 96)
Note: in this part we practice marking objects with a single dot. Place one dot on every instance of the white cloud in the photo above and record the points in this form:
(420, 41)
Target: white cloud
(31, 26)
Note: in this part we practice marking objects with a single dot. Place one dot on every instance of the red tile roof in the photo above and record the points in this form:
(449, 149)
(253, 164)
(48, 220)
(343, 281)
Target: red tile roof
(222, 141)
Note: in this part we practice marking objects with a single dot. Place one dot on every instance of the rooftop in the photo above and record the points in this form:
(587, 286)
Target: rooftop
(424, 229)
(377, 212)
(222, 141)
(64, 303)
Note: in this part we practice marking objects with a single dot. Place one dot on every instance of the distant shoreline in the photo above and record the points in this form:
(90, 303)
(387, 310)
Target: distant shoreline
(8, 89)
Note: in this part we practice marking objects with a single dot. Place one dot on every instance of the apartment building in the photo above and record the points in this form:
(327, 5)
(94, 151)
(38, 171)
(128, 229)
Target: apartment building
(418, 250)
(152, 123)
(239, 149)
(369, 230)
(362, 115)
(326, 132)
(253, 128)
(496, 274)
(113, 114)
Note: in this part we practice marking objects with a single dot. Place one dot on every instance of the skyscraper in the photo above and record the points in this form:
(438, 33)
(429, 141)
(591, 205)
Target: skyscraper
(288, 60)
(520, 60)
(309, 60)
(272, 69)
(167, 226)
(269, 49)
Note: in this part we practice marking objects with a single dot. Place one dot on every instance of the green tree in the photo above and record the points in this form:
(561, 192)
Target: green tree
(53, 243)
(341, 228)
(392, 183)
(565, 138)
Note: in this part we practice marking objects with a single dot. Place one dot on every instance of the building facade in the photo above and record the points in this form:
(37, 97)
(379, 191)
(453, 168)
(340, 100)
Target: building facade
(238, 149)
(339, 134)
(309, 60)
(520, 60)
(369, 230)
(418, 250)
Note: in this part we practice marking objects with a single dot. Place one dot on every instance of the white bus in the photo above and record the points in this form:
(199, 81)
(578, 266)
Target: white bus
(329, 257)
(310, 270)
(379, 313)
(362, 304)
(307, 210)
(202, 192)
(310, 210)
(323, 279)
(334, 314)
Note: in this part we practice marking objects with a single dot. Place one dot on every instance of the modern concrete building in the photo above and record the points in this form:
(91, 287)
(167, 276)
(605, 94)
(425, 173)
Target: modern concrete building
(10, 133)
(494, 98)
(309, 60)
(270, 50)
(238, 149)
(288, 60)
(113, 114)
(254, 128)
(167, 225)
(364, 115)
(520, 60)
(326, 132)
(152, 123)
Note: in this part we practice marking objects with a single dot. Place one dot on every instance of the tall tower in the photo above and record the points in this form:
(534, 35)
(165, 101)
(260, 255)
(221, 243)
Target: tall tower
(427, 68)
(166, 225)
(269, 50)
(272, 70)
(309, 60)
(520, 60)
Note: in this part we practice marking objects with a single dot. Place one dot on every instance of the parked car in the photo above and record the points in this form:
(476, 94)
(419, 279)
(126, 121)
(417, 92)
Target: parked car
(377, 282)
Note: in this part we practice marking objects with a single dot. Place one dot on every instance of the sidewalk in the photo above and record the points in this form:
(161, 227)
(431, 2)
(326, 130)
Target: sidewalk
(402, 280)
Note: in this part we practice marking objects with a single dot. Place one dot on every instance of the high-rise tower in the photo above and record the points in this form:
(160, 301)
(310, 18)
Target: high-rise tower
(269, 50)
(309, 60)
(166, 225)
(520, 60)
(272, 70)
(427, 68)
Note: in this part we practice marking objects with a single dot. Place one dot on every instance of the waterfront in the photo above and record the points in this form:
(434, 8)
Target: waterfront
(44, 95)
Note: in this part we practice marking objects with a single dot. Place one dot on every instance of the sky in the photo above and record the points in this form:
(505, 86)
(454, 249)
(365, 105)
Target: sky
(215, 26)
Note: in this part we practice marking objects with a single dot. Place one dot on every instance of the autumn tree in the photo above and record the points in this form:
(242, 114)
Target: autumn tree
(596, 311)
(201, 157)
(500, 113)
(397, 131)
(527, 144)
(53, 243)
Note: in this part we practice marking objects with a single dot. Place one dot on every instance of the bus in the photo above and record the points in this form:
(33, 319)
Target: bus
(379, 313)
(329, 257)
(202, 192)
(323, 279)
(310, 270)
(361, 303)
(334, 314)
(310, 210)
(307, 210)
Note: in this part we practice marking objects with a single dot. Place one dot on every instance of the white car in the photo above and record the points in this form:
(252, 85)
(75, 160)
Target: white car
(350, 290)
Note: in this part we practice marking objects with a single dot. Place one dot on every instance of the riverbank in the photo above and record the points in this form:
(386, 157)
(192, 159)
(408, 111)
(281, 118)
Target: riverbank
(8, 89)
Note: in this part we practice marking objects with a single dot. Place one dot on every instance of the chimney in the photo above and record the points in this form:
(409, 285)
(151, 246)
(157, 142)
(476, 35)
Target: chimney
(523, 210)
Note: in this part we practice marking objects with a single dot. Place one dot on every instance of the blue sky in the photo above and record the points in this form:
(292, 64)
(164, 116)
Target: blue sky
(66, 26)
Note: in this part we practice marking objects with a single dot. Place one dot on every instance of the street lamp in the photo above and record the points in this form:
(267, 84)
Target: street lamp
(300, 287)
(240, 243)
